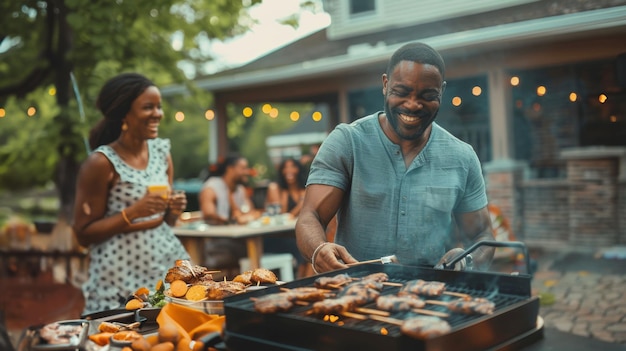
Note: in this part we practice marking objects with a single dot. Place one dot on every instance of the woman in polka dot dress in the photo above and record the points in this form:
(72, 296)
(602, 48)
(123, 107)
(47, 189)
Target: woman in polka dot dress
(126, 228)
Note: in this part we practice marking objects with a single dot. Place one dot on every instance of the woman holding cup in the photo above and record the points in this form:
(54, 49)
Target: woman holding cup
(124, 208)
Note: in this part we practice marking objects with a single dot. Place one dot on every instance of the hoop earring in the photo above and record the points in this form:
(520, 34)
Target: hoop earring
(124, 127)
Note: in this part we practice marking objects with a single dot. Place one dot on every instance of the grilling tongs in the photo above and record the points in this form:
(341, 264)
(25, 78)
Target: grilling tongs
(492, 243)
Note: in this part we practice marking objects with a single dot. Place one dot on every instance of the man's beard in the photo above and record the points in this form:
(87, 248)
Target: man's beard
(394, 121)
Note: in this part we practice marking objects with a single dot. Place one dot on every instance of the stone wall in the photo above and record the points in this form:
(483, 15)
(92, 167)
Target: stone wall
(546, 211)
(586, 209)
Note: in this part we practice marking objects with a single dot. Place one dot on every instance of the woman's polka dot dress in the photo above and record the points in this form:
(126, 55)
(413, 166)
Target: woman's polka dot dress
(126, 262)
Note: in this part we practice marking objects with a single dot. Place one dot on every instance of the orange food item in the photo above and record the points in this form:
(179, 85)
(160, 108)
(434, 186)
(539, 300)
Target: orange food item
(196, 293)
(178, 288)
(169, 332)
(159, 287)
(126, 348)
(127, 335)
(142, 291)
(134, 304)
(152, 339)
(164, 346)
(141, 344)
(101, 338)
(108, 327)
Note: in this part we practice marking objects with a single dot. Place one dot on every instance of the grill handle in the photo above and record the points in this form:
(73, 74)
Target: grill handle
(493, 243)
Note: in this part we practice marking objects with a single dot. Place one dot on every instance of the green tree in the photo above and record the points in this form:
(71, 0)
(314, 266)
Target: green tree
(46, 43)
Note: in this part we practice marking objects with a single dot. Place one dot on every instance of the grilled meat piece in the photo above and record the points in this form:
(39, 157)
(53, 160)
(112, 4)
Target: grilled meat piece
(218, 290)
(273, 303)
(470, 305)
(332, 282)
(423, 287)
(377, 277)
(424, 327)
(394, 303)
(263, 275)
(366, 292)
(244, 278)
(190, 274)
(337, 305)
(308, 293)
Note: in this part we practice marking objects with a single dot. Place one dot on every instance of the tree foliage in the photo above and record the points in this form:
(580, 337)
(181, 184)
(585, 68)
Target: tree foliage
(43, 43)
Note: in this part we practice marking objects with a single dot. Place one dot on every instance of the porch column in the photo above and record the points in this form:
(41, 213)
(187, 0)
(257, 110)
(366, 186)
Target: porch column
(220, 126)
(503, 174)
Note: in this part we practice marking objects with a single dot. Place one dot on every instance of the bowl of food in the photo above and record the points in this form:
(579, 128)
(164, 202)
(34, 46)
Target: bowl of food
(62, 335)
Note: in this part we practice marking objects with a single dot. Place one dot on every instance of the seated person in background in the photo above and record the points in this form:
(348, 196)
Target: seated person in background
(288, 192)
(223, 198)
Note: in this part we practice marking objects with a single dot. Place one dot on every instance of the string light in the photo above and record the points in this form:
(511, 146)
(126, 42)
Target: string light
(476, 91)
(602, 98)
(317, 116)
(541, 90)
(573, 97)
(294, 116)
(266, 108)
(31, 111)
(209, 115)
(456, 101)
(247, 112)
(3, 112)
(179, 116)
(273, 112)
(52, 91)
(514, 81)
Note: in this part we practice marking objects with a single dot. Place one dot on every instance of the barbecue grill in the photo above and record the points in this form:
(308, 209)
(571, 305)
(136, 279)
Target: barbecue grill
(514, 318)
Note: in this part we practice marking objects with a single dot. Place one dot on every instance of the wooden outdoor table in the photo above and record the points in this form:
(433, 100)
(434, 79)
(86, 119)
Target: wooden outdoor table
(193, 238)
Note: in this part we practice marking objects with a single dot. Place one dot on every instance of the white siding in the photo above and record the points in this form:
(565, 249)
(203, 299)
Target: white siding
(401, 13)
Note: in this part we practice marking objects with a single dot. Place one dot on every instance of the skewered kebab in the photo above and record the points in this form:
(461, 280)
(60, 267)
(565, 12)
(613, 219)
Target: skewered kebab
(467, 305)
(349, 298)
(395, 303)
(423, 287)
(421, 327)
(377, 277)
(424, 327)
(337, 305)
(333, 282)
(272, 303)
(307, 293)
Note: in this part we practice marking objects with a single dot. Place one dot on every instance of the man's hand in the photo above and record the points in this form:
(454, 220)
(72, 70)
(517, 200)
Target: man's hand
(330, 257)
(450, 256)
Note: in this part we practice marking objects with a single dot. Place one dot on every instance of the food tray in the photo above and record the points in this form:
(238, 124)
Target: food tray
(206, 306)
(39, 344)
(211, 306)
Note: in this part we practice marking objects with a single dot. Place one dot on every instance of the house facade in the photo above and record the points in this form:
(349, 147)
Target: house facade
(538, 88)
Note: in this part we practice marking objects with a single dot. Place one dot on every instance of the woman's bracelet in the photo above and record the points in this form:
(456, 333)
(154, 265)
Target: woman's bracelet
(126, 217)
(315, 252)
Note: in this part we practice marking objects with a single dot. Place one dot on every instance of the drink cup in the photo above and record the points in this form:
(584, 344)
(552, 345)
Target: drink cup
(160, 189)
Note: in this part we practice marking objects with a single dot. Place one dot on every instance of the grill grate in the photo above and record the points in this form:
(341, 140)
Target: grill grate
(299, 327)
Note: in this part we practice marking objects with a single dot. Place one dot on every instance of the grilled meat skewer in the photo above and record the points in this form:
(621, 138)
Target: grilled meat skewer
(420, 327)
(272, 303)
(467, 305)
(394, 303)
(333, 282)
(423, 287)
